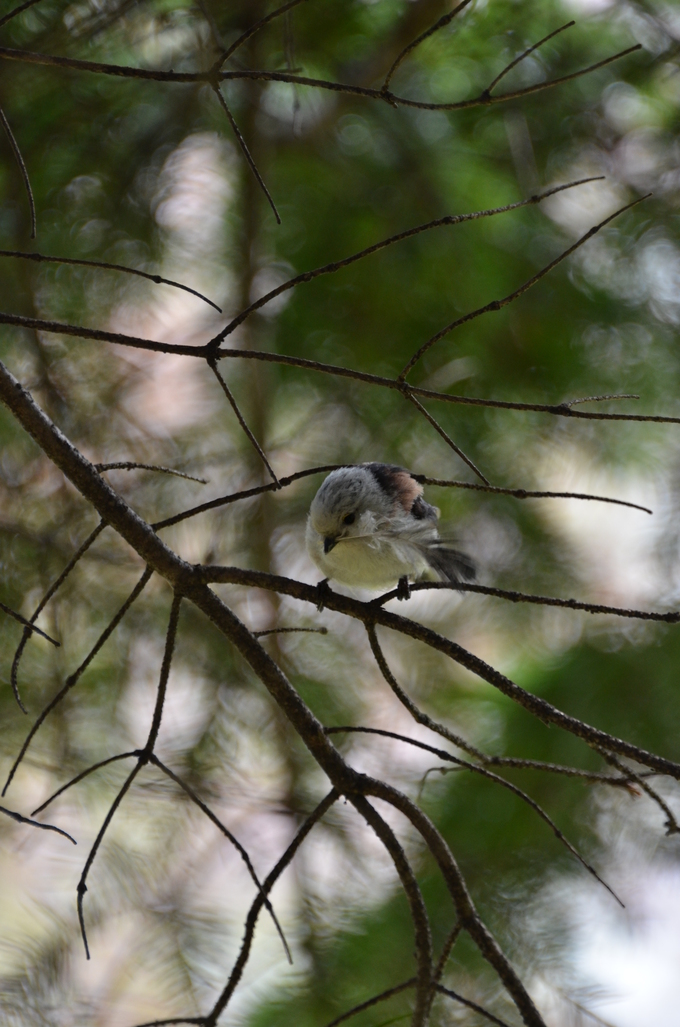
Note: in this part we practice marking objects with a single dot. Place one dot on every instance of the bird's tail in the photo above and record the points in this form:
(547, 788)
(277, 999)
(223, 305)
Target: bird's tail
(450, 564)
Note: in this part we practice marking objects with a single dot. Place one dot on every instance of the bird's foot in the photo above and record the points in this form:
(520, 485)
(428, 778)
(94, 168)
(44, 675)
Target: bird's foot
(403, 588)
(323, 590)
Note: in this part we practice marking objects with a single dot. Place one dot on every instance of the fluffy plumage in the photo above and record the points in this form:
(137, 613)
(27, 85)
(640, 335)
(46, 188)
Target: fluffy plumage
(369, 526)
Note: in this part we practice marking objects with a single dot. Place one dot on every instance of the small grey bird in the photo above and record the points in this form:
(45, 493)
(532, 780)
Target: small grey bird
(369, 526)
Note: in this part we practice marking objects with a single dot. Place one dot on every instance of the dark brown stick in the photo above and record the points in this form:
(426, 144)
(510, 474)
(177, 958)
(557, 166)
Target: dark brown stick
(22, 168)
(241, 420)
(40, 258)
(445, 20)
(499, 304)
(513, 64)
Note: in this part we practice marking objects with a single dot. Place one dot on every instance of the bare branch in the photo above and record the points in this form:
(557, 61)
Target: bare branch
(234, 841)
(336, 265)
(405, 700)
(514, 762)
(84, 774)
(382, 997)
(35, 823)
(241, 420)
(671, 825)
(54, 587)
(672, 617)
(22, 168)
(40, 258)
(446, 19)
(530, 50)
(17, 10)
(464, 765)
(27, 624)
(499, 304)
(128, 465)
(525, 493)
(471, 1005)
(447, 439)
(246, 152)
(421, 924)
(73, 678)
(288, 631)
(245, 36)
(267, 885)
(82, 886)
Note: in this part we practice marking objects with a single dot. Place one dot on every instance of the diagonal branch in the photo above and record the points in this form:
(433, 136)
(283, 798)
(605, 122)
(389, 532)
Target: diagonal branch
(245, 36)
(22, 168)
(35, 823)
(382, 997)
(421, 924)
(241, 420)
(445, 20)
(447, 439)
(671, 824)
(251, 920)
(246, 152)
(513, 64)
(405, 700)
(73, 678)
(672, 617)
(40, 258)
(499, 304)
(27, 624)
(336, 265)
(129, 465)
(83, 774)
(54, 587)
(17, 10)
(232, 838)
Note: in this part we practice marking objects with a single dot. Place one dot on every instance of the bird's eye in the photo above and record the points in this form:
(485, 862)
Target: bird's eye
(349, 519)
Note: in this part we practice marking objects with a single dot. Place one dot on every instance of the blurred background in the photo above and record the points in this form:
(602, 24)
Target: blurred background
(148, 174)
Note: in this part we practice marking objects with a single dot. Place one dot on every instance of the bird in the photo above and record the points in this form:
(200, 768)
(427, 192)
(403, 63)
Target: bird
(370, 527)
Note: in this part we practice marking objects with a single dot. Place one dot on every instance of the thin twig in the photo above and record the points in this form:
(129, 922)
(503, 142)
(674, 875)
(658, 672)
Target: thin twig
(35, 823)
(513, 762)
(517, 60)
(254, 911)
(288, 631)
(499, 304)
(54, 587)
(204, 352)
(405, 700)
(417, 908)
(241, 420)
(246, 152)
(447, 438)
(40, 258)
(382, 997)
(84, 774)
(672, 617)
(27, 624)
(214, 504)
(463, 764)
(445, 20)
(128, 465)
(155, 75)
(82, 886)
(73, 678)
(471, 1005)
(336, 265)
(671, 825)
(483, 100)
(144, 757)
(371, 614)
(245, 36)
(234, 841)
(526, 493)
(22, 168)
(17, 10)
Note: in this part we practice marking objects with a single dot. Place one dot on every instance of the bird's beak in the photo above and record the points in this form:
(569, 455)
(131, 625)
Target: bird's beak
(328, 544)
